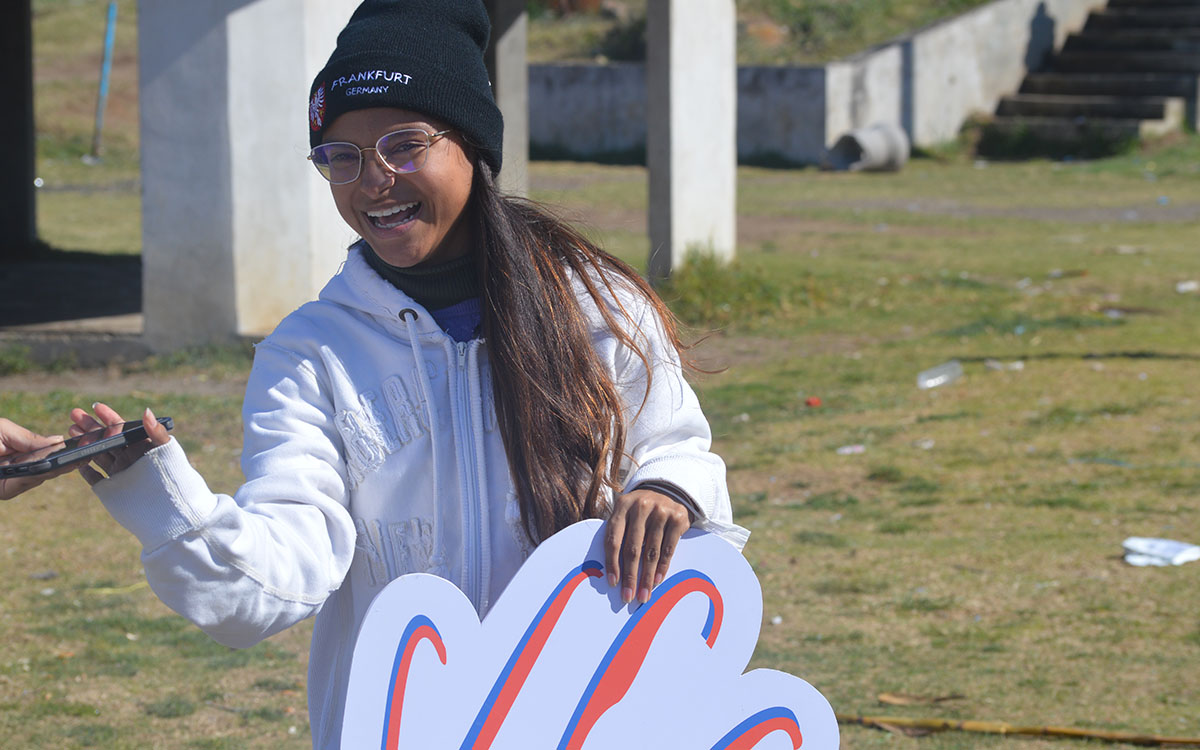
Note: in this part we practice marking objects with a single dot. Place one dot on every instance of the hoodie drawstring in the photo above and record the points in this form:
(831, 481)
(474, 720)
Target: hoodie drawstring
(409, 316)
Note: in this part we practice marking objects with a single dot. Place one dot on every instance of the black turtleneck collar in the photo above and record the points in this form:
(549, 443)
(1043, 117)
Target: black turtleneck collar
(432, 287)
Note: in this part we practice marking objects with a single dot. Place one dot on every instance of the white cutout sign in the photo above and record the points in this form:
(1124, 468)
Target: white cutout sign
(560, 662)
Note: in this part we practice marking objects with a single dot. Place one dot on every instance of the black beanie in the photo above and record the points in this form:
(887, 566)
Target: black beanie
(421, 55)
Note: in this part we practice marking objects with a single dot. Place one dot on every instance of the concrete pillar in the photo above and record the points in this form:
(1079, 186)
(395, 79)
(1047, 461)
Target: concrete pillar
(506, 61)
(237, 228)
(691, 138)
(18, 213)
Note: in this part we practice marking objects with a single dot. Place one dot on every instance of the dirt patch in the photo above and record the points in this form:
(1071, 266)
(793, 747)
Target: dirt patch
(719, 350)
(713, 352)
(111, 381)
(755, 230)
(1172, 212)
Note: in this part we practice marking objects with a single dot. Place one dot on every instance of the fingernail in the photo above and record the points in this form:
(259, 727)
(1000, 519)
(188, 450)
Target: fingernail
(56, 439)
(627, 594)
(658, 578)
(94, 405)
(612, 580)
(644, 595)
(150, 414)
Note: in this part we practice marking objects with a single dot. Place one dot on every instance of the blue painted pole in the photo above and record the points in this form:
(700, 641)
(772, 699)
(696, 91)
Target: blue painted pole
(110, 35)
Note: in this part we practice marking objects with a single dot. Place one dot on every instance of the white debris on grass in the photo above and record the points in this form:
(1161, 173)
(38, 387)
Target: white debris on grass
(1149, 551)
(995, 364)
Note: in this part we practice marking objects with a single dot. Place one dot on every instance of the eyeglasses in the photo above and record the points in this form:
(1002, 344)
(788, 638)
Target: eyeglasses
(402, 152)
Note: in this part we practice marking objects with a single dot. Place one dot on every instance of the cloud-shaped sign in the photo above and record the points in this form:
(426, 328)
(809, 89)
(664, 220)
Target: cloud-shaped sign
(560, 662)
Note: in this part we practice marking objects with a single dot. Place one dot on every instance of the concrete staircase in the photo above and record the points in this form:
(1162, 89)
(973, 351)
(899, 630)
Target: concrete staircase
(1132, 72)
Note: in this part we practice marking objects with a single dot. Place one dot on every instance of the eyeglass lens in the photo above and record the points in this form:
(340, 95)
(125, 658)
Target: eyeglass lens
(403, 151)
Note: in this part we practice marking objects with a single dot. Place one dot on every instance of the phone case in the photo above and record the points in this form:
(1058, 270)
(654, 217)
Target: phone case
(130, 432)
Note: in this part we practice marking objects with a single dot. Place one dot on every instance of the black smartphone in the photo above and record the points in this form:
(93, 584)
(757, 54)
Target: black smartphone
(76, 449)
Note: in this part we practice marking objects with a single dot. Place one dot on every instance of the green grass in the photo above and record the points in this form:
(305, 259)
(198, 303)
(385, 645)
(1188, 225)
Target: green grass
(90, 657)
(770, 32)
(973, 547)
(94, 207)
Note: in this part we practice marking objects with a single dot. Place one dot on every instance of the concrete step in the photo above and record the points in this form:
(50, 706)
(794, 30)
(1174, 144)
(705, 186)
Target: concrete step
(1124, 62)
(1168, 17)
(1119, 107)
(90, 342)
(1181, 41)
(1131, 73)
(1073, 127)
(1112, 84)
(1154, 3)
(1081, 137)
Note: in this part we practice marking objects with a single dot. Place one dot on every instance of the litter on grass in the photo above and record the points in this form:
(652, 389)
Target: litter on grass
(1070, 273)
(1148, 551)
(1187, 287)
(947, 372)
(995, 364)
(850, 450)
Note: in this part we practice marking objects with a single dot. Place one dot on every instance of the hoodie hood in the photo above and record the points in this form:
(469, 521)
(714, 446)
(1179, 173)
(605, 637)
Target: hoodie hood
(357, 287)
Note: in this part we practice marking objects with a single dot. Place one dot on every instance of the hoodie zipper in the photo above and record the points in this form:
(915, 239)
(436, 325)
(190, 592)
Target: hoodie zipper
(467, 439)
(474, 535)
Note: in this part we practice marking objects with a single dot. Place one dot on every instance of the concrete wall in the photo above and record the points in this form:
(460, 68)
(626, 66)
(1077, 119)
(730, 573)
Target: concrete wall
(929, 83)
(599, 111)
(779, 115)
(592, 110)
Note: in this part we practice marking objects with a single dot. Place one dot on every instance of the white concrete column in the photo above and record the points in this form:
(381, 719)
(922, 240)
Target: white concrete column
(691, 138)
(237, 228)
(506, 61)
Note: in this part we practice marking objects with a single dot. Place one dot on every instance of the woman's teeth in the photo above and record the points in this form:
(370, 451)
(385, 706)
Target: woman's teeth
(403, 213)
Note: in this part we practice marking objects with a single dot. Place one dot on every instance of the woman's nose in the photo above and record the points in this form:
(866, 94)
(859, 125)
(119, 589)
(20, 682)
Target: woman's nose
(374, 174)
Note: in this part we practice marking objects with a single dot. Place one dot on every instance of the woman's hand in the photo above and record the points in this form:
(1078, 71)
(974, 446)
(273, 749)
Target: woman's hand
(122, 458)
(16, 439)
(642, 533)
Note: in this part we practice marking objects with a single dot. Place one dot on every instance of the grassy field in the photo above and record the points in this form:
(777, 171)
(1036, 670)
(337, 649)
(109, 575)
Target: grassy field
(68, 49)
(770, 32)
(972, 547)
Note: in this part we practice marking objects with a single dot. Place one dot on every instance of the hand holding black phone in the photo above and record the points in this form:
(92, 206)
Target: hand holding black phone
(75, 450)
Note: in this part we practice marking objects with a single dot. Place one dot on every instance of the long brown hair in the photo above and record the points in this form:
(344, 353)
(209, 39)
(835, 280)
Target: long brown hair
(562, 420)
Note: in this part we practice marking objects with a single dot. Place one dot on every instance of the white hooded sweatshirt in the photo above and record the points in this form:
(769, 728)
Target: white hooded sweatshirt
(371, 450)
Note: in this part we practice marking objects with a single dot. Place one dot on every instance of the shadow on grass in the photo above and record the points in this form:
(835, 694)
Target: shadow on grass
(54, 285)
(1125, 354)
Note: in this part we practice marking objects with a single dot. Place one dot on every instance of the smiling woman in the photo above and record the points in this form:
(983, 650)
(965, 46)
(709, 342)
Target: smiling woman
(477, 377)
(410, 208)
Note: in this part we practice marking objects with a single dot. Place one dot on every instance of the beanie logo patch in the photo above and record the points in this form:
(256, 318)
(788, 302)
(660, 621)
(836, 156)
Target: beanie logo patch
(316, 109)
